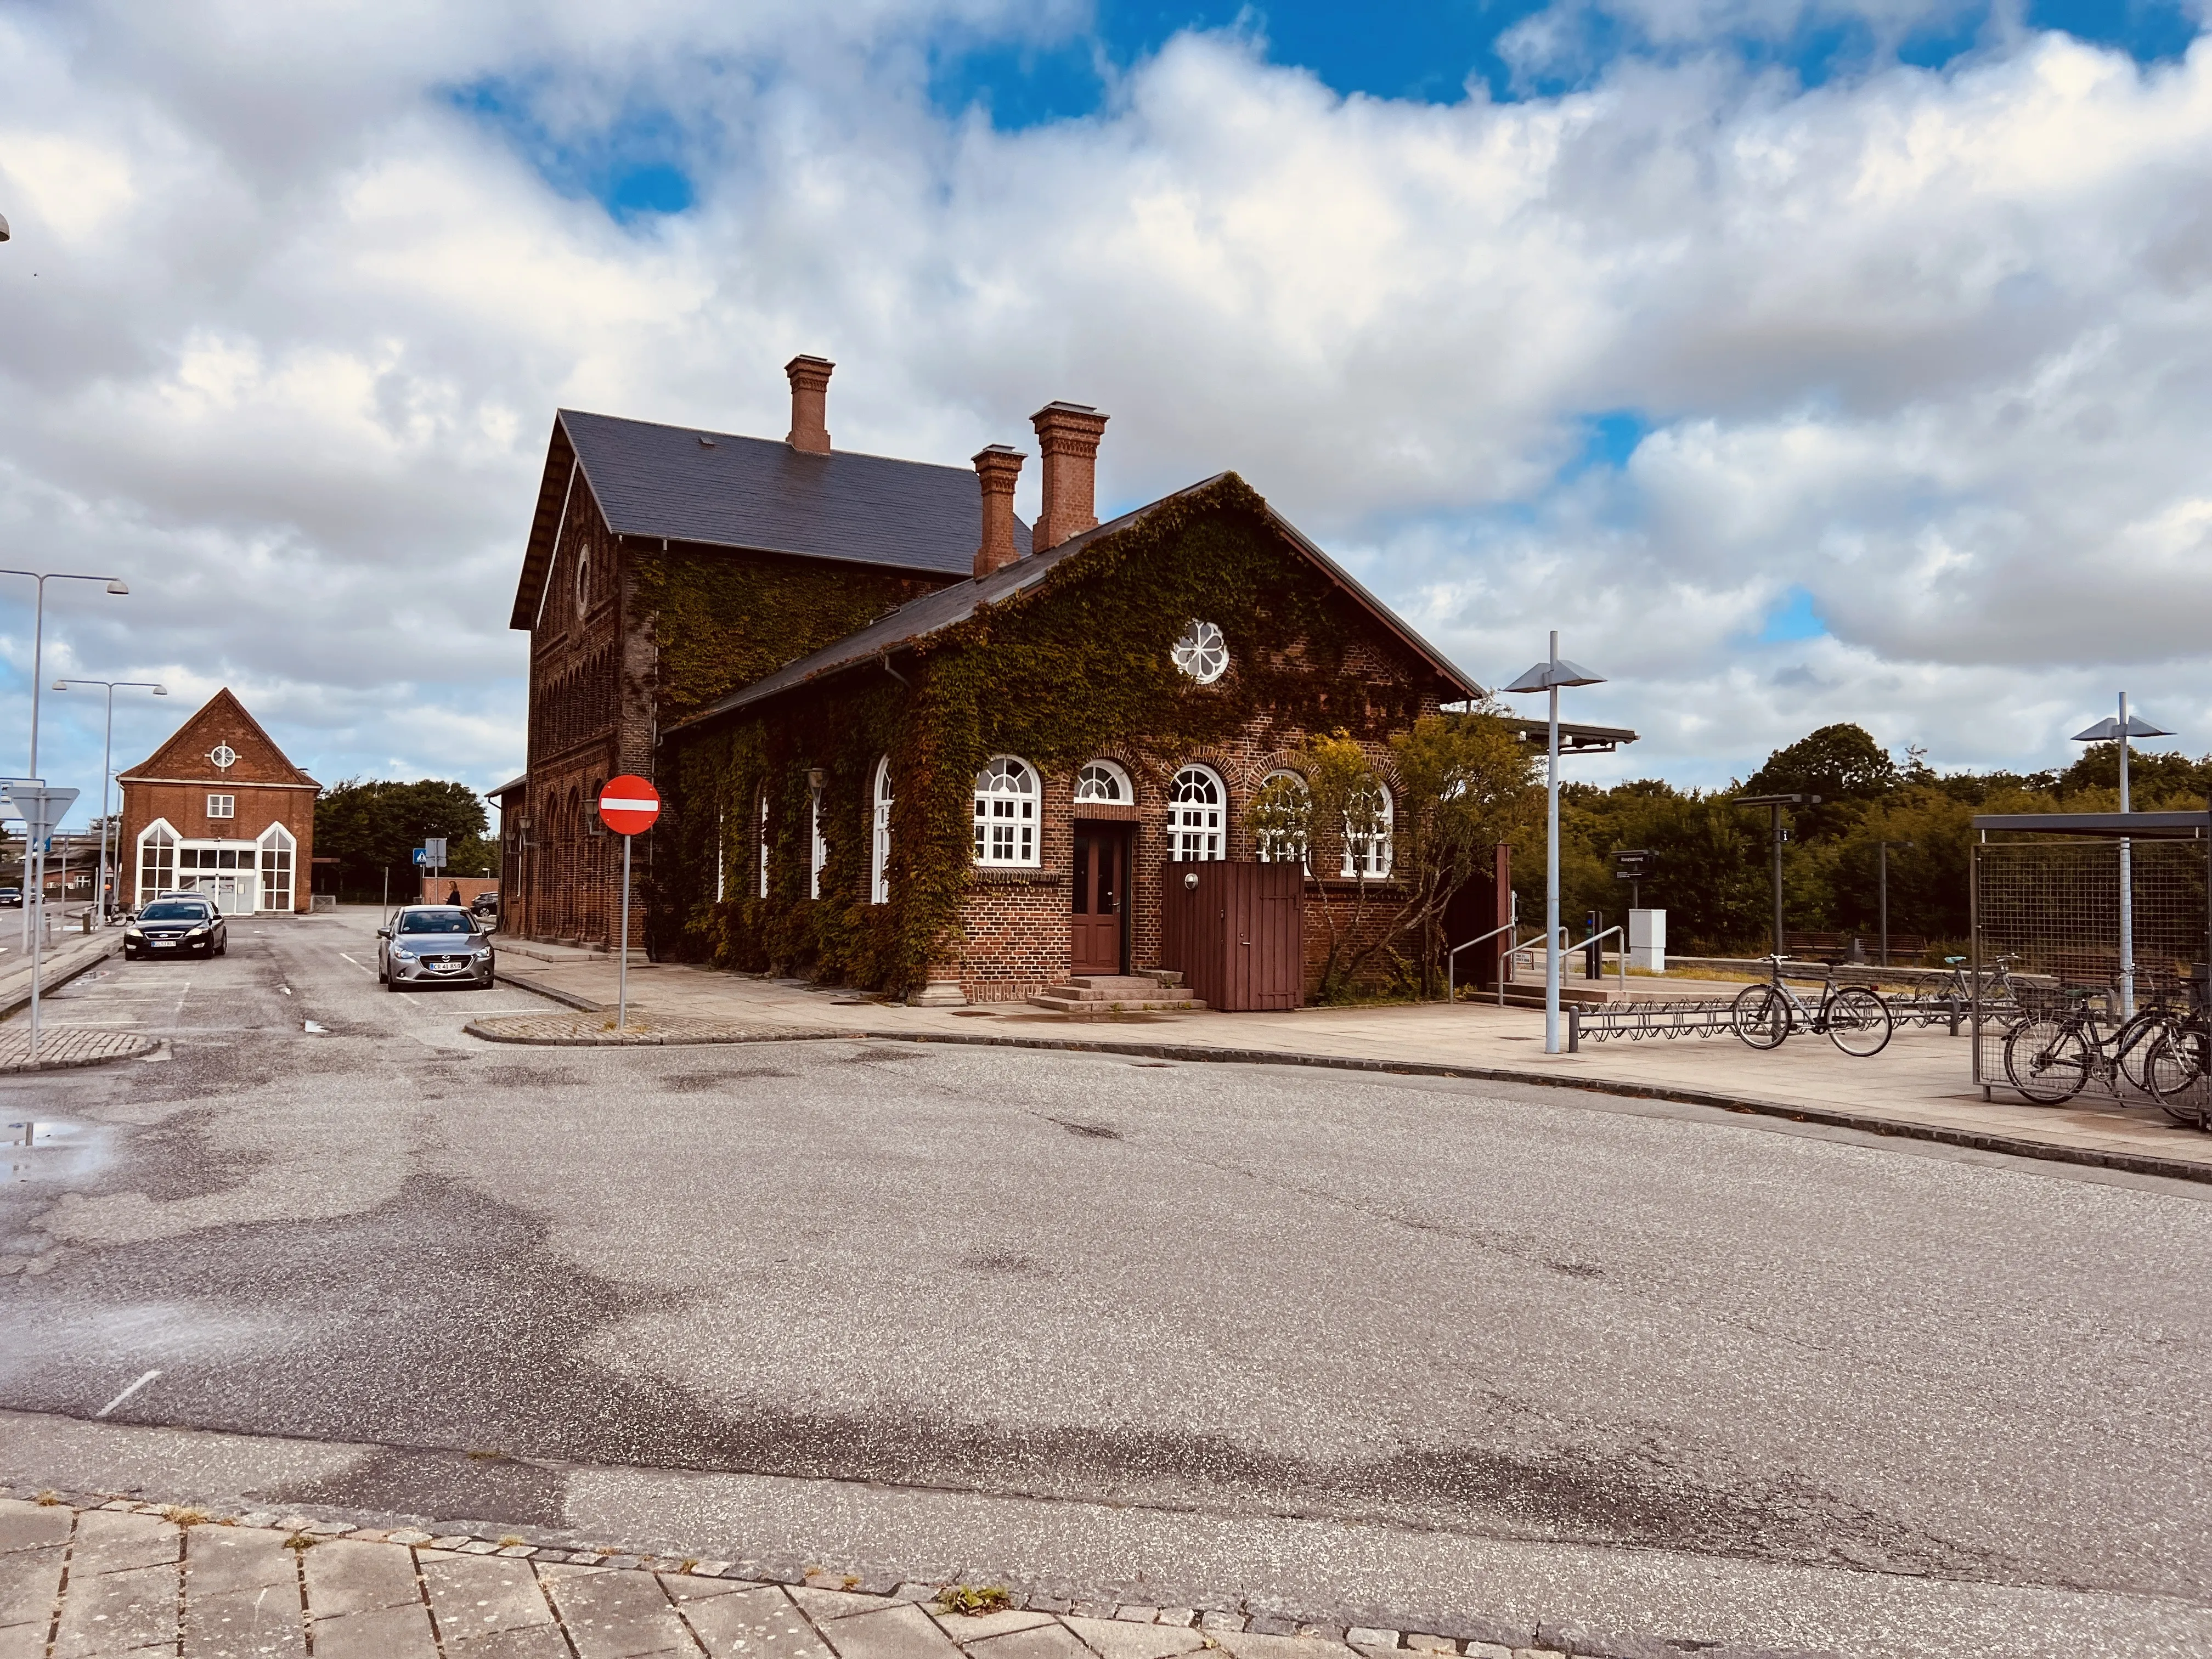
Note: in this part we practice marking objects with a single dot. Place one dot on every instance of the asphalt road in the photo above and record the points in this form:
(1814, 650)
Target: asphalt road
(1330, 1341)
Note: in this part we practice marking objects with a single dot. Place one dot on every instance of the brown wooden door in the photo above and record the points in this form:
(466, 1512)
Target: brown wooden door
(1102, 879)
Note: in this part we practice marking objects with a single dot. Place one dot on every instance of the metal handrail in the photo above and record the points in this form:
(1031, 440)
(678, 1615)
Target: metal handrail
(1608, 933)
(1451, 957)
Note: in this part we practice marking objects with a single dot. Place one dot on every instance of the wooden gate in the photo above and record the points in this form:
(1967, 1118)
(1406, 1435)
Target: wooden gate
(1236, 931)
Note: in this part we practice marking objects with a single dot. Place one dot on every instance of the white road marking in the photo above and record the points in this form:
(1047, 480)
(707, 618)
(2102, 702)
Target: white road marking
(286, 989)
(363, 966)
(126, 1394)
(311, 1028)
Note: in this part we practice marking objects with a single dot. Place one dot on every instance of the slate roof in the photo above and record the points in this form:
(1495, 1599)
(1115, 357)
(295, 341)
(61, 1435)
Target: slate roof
(946, 608)
(723, 489)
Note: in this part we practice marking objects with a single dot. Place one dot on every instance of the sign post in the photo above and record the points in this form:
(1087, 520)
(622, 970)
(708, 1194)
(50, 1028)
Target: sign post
(628, 805)
(42, 809)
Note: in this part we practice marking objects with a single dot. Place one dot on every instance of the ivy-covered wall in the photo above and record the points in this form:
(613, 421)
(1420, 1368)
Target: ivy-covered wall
(1077, 665)
(724, 620)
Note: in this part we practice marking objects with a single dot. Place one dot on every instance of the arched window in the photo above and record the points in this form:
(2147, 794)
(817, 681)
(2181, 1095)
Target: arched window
(764, 844)
(1195, 802)
(819, 854)
(1368, 819)
(1007, 812)
(276, 849)
(1103, 781)
(1282, 818)
(157, 859)
(879, 837)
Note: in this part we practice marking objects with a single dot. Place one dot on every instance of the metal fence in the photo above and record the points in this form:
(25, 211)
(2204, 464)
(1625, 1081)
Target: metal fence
(2047, 934)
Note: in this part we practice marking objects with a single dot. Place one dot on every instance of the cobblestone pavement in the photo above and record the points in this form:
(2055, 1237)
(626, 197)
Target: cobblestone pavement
(569, 1030)
(79, 1580)
(65, 1045)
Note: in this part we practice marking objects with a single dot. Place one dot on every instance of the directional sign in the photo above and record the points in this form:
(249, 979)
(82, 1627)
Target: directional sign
(629, 804)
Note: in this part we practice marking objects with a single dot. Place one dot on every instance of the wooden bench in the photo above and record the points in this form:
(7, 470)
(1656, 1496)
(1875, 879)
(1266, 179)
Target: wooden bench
(1904, 948)
(1817, 947)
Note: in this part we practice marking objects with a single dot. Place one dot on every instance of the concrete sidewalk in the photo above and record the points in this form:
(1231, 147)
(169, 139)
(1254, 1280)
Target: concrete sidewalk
(1918, 1086)
(87, 1577)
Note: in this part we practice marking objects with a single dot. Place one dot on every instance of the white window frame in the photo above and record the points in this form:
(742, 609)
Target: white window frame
(722, 852)
(1103, 782)
(879, 835)
(160, 838)
(819, 853)
(764, 844)
(1373, 860)
(277, 856)
(1268, 842)
(1198, 829)
(222, 807)
(1008, 793)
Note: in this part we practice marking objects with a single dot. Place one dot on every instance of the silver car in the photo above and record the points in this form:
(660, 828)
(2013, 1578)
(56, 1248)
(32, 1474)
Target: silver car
(433, 944)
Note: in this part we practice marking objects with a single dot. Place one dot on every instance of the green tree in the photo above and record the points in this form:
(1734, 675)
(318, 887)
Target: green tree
(372, 827)
(1842, 764)
(1465, 783)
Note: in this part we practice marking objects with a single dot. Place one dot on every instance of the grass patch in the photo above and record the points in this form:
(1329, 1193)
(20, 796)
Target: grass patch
(974, 1600)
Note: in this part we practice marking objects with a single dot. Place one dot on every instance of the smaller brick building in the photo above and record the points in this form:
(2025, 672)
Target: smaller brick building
(218, 809)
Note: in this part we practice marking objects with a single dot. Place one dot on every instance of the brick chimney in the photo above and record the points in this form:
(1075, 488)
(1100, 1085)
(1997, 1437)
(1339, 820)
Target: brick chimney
(810, 404)
(997, 468)
(1068, 436)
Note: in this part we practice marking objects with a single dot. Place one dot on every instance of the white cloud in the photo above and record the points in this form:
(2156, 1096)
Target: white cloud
(1931, 347)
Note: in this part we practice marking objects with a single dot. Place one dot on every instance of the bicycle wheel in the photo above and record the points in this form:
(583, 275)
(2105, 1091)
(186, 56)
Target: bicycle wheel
(2176, 1075)
(2138, 1038)
(2046, 1059)
(1762, 1016)
(1858, 1022)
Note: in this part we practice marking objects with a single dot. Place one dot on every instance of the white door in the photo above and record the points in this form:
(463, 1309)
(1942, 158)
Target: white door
(235, 891)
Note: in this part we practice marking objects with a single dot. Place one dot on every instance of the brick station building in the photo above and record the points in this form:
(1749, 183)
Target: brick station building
(904, 739)
(218, 809)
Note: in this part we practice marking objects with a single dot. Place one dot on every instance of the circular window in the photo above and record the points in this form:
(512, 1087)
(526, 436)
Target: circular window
(223, 755)
(1202, 653)
(583, 581)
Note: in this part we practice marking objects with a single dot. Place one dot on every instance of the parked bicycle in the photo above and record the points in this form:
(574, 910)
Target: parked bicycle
(1997, 989)
(2054, 1053)
(1851, 1017)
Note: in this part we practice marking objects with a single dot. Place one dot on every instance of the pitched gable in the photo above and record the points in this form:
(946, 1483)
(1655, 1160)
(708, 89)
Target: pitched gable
(221, 723)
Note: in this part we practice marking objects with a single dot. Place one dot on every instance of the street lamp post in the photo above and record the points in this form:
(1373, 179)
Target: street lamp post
(1883, 848)
(1549, 676)
(107, 759)
(1774, 803)
(2119, 731)
(115, 585)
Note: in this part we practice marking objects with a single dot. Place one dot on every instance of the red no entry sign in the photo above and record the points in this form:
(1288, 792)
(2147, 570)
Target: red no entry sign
(628, 805)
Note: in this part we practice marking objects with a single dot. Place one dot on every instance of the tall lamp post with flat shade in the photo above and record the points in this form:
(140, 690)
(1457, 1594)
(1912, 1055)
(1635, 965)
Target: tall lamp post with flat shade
(1549, 676)
(115, 585)
(107, 761)
(2119, 731)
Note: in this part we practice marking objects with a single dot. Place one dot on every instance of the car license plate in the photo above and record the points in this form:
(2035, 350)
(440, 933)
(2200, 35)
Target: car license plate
(165, 944)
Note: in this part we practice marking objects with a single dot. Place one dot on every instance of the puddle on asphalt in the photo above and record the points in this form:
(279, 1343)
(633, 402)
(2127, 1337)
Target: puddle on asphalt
(49, 1148)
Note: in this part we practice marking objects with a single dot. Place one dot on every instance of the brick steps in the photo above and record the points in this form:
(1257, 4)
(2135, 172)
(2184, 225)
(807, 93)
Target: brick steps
(1102, 996)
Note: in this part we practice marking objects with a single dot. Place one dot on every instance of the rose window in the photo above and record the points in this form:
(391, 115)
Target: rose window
(1202, 653)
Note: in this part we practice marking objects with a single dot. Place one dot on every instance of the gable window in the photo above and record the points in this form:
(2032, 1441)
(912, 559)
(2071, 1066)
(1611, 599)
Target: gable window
(222, 807)
(1282, 817)
(879, 837)
(1194, 815)
(1007, 812)
(157, 859)
(1102, 781)
(1368, 820)
(276, 849)
(1202, 653)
